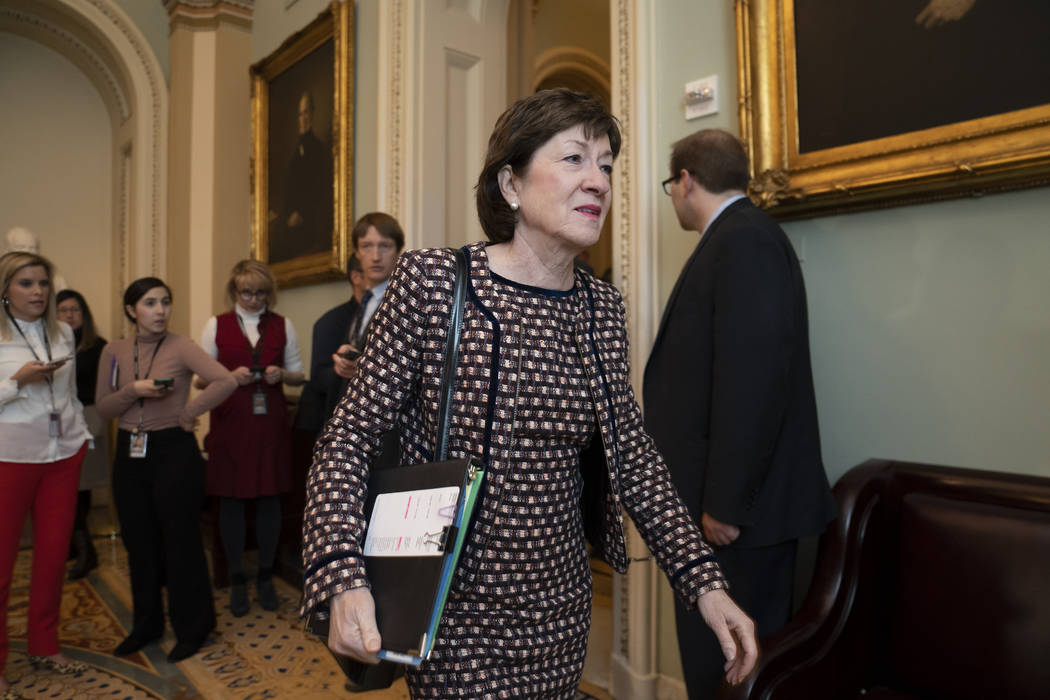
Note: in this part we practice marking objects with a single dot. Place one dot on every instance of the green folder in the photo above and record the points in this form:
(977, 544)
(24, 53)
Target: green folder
(410, 591)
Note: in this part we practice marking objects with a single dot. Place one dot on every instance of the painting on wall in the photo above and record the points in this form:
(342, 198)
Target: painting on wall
(302, 151)
(857, 105)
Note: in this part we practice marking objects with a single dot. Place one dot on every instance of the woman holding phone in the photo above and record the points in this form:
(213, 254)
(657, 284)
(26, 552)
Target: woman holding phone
(158, 471)
(250, 440)
(43, 438)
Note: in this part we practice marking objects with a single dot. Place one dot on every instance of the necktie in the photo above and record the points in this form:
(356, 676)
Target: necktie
(357, 328)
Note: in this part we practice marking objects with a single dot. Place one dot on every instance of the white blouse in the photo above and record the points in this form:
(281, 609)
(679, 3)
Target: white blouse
(24, 413)
(292, 358)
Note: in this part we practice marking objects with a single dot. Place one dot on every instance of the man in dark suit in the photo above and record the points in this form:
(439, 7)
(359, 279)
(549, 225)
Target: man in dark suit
(377, 240)
(321, 392)
(729, 395)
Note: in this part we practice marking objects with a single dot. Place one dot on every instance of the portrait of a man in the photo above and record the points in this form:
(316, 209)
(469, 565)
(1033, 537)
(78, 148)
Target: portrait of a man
(300, 216)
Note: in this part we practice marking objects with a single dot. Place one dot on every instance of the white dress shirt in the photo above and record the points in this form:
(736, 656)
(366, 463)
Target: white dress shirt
(25, 413)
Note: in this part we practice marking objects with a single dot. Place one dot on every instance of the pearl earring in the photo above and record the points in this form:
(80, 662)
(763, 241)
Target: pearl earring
(514, 206)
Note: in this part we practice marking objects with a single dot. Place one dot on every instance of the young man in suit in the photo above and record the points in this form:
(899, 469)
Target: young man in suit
(729, 395)
(377, 240)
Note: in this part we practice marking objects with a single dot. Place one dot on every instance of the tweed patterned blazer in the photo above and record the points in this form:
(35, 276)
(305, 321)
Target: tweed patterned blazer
(398, 384)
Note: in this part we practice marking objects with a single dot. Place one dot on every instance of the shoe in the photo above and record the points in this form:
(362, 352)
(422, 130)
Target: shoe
(239, 602)
(267, 593)
(87, 557)
(183, 650)
(133, 643)
(44, 663)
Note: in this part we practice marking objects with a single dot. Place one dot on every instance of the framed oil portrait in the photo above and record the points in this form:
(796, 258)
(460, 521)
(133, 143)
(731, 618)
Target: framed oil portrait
(302, 151)
(854, 104)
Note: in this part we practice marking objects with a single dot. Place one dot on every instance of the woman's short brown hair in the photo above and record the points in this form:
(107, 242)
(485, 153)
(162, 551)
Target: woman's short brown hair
(261, 276)
(522, 130)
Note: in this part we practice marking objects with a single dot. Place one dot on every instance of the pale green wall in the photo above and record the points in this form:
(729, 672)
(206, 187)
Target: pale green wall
(929, 324)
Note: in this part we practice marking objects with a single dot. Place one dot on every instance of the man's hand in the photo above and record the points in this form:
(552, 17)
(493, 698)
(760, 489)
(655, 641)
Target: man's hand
(717, 532)
(352, 628)
(735, 632)
(343, 367)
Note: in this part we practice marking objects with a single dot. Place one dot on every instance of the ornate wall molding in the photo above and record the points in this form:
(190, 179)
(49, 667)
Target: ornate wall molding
(634, 663)
(570, 59)
(209, 14)
(44, 29)
(395, 33)
(150, 157)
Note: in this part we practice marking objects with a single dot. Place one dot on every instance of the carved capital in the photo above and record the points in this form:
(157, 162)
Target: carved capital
(208, 14)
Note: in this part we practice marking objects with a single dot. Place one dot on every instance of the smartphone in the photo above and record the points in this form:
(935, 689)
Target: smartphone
(164, 381)
(351, 354)
(59, 361)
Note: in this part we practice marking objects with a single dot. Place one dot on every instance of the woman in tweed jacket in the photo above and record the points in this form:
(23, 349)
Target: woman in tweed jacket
(542, 382)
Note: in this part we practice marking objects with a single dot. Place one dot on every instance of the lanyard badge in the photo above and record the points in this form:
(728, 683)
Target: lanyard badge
(137, 446)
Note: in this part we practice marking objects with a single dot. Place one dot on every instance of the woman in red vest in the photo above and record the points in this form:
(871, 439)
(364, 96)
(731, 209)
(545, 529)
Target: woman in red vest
(249, 443)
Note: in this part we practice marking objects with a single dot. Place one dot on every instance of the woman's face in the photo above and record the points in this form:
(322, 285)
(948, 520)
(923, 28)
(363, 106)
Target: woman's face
(250, 294)
(565, 193)
(27, 293)
(153, 311)
(69, 311)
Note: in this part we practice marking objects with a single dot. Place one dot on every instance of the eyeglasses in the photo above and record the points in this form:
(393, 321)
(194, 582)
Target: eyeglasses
(668, 181)
(249, 294)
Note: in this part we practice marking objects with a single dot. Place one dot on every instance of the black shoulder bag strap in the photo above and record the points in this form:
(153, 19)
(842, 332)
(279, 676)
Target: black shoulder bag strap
(448, 372)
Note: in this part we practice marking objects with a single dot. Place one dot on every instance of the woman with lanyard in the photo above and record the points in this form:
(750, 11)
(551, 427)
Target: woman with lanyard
(158, 471)
(249, 446)
(43, 439)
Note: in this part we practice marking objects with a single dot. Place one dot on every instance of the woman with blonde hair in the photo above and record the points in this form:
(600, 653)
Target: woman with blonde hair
(249, 443)
(43, 439)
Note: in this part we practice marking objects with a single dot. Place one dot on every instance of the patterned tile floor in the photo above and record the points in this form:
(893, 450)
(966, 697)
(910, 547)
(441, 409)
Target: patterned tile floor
(261, 655)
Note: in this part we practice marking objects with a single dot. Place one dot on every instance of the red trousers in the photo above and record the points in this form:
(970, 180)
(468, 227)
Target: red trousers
(49, 491)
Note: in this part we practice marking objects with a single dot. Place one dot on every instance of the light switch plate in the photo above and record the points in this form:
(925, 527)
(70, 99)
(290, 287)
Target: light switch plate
(702, 109)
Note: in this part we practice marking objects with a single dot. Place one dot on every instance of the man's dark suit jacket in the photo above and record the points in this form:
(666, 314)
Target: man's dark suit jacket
(323, 391)
(728, 387)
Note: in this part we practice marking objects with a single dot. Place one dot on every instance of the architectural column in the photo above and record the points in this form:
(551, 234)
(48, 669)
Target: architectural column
(634, 664)
(209, 153)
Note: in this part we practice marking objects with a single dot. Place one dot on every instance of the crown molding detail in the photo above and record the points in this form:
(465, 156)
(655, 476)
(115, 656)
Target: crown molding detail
(208, 14)
(37, 27)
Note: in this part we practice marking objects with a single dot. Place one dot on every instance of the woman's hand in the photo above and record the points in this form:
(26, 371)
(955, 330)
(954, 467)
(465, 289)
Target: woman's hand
(735, 632)
(189, 423)
(146, 389)
(243, 375)
(343, 367)
(352, 627)
(33, 372)
(273, 374)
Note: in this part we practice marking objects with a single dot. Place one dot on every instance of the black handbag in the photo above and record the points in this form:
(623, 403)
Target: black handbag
(361, 676)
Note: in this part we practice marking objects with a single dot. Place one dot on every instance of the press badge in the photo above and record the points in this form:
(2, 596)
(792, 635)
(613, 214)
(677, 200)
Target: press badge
(54, 424)
(137, 446)
(259, 404)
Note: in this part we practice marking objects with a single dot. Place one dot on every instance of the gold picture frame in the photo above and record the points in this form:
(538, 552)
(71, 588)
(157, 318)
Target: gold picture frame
(1001, 151)
(301, 176)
